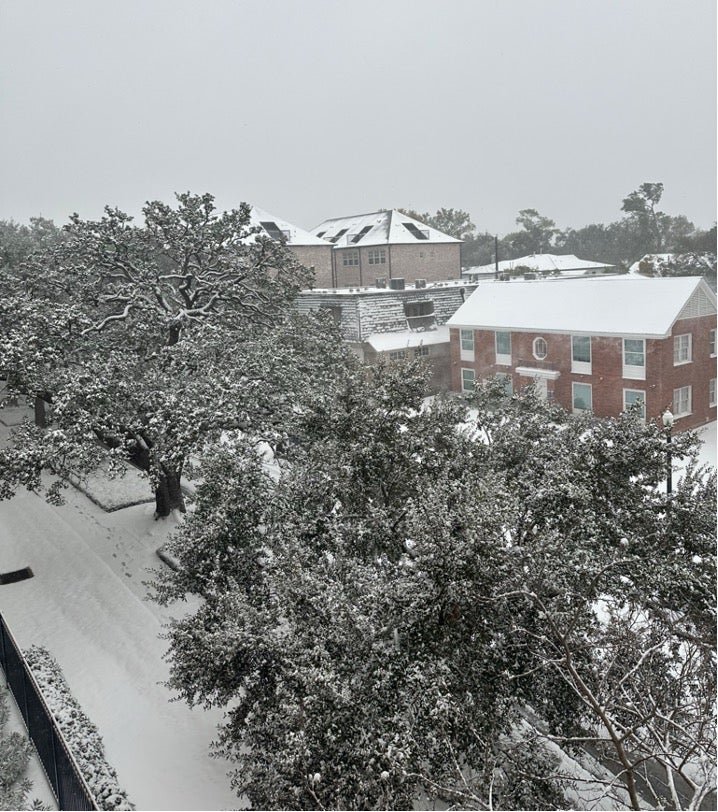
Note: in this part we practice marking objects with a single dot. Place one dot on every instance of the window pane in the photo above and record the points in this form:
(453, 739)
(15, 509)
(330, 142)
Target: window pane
(682, 400)
(581, 349)
(633, 352)
(540, 348)
(582, 396)
(467, 340)
(467, 380)
(503, 343)
(631, 396)
(682, 349)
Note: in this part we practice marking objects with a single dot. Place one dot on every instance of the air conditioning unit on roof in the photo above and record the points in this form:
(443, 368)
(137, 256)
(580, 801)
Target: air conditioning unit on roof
(420, 283)
(397, 284)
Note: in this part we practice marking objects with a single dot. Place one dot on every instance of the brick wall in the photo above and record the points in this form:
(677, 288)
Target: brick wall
(319, 256)
(606, 377)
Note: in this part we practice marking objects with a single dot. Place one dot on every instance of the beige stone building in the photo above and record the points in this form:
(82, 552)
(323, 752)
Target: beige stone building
(312, 251)
(375, 248)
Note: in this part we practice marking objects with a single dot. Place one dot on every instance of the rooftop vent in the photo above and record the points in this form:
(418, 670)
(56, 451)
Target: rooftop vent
(381, 282)
(397, 284)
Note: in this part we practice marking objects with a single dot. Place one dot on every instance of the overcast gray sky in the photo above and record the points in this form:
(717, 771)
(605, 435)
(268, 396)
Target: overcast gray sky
(325, 108)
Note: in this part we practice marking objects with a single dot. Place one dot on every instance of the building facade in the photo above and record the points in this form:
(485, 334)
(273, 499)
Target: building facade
(396, 323)
(598, 345)
(388, 245)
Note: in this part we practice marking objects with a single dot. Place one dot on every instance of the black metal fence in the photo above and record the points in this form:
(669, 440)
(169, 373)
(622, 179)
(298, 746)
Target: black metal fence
(66, 781)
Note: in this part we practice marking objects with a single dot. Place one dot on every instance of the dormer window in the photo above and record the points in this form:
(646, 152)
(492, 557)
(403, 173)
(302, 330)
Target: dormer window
(419, 233)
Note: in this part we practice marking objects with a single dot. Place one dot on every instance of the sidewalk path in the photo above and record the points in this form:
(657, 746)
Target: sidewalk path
(86, 606)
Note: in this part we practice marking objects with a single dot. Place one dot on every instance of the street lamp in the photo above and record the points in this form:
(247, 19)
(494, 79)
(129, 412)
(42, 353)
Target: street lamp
(668, 420)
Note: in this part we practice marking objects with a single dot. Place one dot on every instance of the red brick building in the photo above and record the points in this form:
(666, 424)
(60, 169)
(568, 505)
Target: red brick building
(596, 344)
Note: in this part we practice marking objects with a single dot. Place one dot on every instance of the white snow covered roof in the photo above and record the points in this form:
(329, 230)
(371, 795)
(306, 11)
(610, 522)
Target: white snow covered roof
(401, 339)
(650, 259)
(541, 263)
(379, 228)
(623, 305)
(276, 228)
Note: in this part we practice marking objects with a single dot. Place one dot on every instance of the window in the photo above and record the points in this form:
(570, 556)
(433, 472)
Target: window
(377, 256)
(468, 376)
(414, 309)
(581, 354)
(682, 401)
(540, 349)
(421, 352)
(581, 349)
(350, 258)
(397, 355)
(420, 234)
(582, 397)
(712, 342)
(634, 358)
(712, 392)
(503, 348)
(631, 396)
(357, 237)
(682, 349)
(467, 340)
(334, 310)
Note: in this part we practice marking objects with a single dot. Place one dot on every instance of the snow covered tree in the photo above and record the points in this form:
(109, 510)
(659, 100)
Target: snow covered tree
(15, 753)
(344, 613)
(151, 340)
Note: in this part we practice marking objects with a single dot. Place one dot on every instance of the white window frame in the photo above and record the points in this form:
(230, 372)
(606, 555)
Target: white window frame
(682, 349)
(682, 401)
(635, 372)
(376, 256)
(350, 259)
(466, 372)
(502, 358)
(580, 367)
(421, 351)
(712, 392)
(578, 409)
(466, 345)
(627, 404)
(398, 355)
(540, 348)
(712, 343)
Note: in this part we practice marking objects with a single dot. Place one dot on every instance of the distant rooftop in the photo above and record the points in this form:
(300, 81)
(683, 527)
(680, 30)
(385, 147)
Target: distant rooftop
(276, 228)
(378, 228)
(541, 263)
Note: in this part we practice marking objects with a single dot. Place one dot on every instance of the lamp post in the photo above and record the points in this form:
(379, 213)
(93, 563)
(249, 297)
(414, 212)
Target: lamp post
(668, 420)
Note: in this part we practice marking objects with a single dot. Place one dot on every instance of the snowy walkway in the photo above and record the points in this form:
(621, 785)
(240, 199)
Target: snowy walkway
(86, 606)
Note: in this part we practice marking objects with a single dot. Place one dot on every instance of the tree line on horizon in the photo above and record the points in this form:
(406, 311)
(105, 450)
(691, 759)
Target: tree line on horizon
(644, 229)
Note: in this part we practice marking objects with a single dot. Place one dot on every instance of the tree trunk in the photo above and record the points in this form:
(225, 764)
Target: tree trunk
(41, 403)
(168, 495)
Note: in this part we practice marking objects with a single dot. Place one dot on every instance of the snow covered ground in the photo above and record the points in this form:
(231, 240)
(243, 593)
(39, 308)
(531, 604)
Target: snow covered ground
(87, 605)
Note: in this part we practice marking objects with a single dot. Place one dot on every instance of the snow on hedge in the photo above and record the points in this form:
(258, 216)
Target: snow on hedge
(80, 733)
